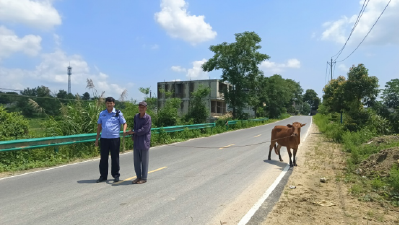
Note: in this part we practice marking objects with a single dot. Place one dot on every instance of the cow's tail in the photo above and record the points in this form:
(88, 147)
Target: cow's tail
(276, 150)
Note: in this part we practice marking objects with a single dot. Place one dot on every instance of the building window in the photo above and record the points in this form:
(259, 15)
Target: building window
(213, 106)
(222, 87)
(158, 90)
(179, 90)
(191, 87)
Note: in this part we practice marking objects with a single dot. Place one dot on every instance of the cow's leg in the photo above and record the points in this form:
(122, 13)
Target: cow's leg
(279, 152)
(290, 156)
(294, 156)
(270, 149)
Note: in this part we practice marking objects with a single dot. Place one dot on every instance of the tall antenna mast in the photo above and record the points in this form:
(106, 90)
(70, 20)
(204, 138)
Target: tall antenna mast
(69, 77)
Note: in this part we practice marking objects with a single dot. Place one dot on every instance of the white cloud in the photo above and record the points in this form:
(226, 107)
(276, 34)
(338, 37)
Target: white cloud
(10, 43)
(276, 68)
(293, 63)
(52, 71)
(178, 69)
(38, 14)
(57, 40)
(178, 23)
(196, 72)
(386, 31)
(155, 46)
(343, 68)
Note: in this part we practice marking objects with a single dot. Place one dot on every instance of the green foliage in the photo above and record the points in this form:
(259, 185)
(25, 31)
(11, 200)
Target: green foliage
(295, 92)
(277, 96)
(360, 87)
(76, 118)
(334, 95)
(168, 115)
(390, 94)
(305, 109)
(13, 125)
(394, 179)
(198, 111)
(239, 64)
(256, 95)
(86, 96)
(354, 144)
(311, 97)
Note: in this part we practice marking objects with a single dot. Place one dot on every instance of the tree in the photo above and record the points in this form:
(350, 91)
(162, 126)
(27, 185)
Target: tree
(390, 97)
(198, 111)
(334, 95)
(42, 98)
(361, 88)
(256, 94)
(62, 94)
(70, 96)
(305, 109)
(8, 97)
(86, 96)
(390, 94)
(295, 92)
(277, 95)
(151, 101)
(239, 64)
(311, 97)
(168, 115)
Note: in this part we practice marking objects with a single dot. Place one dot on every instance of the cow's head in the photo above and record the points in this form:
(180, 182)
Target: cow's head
(296, 126)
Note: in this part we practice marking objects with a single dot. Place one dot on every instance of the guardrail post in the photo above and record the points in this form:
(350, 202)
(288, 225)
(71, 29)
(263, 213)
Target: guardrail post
(56, 149)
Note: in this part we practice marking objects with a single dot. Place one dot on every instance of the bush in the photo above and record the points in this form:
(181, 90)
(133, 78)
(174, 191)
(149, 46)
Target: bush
(394, 179)
(13, 125)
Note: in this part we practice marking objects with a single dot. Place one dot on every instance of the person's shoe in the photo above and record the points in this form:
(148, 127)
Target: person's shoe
(135, 181)
(116, 179)
(101, 179)
(141, 182)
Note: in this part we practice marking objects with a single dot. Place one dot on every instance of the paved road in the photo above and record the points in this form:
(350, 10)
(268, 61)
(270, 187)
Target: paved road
(187, 184)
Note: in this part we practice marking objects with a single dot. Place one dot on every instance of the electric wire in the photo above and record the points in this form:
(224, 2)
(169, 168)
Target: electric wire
(367, 33)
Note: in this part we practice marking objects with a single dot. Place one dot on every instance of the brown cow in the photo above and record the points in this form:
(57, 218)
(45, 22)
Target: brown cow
(288, 136)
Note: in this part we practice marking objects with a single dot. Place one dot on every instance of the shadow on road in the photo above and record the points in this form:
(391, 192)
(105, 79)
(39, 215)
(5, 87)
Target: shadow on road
(129, 182)
(93, 181)
(277, 163)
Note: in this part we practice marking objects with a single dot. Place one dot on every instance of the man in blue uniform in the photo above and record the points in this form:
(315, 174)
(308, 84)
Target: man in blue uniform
(109, 124)
(141, 143)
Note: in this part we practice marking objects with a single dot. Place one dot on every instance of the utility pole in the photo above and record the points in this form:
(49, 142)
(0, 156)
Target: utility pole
(331, 64)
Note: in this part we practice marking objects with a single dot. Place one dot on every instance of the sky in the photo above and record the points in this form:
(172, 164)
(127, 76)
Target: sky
(127, 44)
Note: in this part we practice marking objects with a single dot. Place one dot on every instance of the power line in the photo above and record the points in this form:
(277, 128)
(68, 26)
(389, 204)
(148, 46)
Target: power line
(364, 6)
(368, 32)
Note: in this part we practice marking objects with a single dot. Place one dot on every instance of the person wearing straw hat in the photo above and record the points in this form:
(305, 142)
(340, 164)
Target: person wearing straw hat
(141, 143)
(109, 124)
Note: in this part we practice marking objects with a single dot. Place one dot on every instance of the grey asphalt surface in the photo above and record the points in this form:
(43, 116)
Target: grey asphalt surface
(194, 186)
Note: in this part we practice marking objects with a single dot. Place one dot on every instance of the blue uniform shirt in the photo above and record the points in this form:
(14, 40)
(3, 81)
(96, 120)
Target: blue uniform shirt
(110, 124)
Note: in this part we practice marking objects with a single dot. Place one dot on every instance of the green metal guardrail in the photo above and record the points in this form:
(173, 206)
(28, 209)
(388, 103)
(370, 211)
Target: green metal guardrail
(170, 129)
(24, 144)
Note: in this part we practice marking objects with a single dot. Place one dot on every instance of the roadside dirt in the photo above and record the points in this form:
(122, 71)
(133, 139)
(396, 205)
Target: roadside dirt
(314, 202)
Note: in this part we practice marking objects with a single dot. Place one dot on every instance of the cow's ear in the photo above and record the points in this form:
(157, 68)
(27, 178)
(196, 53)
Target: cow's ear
(303, 124)
(289, 125)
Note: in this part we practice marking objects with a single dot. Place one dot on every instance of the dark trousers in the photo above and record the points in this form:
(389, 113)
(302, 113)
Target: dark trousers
(109, 146)
(141, 162)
